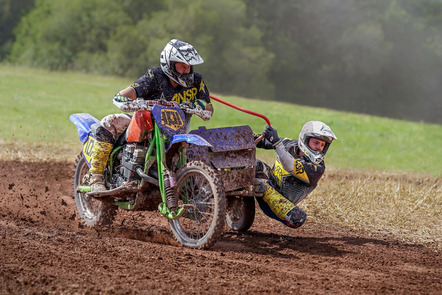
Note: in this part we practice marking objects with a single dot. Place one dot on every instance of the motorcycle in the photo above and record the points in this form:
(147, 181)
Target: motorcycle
(198, 180)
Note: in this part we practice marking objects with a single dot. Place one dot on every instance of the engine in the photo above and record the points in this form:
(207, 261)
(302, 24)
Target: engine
(131, 157)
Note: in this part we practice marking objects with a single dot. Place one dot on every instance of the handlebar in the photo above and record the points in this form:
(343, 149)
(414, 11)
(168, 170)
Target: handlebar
(190, 108)
(147, 105)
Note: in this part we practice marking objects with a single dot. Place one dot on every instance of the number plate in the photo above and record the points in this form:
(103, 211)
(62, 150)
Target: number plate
(87, 149)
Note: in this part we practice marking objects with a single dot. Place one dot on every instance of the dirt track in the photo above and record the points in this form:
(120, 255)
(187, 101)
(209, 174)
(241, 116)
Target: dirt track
(45, 249)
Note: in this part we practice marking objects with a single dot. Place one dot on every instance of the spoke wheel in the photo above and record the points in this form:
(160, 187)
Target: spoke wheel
(202, 191)
(93, 211)
(240, 213)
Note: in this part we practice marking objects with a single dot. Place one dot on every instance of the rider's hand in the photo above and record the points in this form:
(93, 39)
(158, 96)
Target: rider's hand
(199, 103)
(271, 135)
(121, 98)
(204, 110)
(209, 107)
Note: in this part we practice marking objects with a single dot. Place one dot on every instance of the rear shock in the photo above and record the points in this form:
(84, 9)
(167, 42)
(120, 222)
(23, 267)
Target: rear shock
(169, 188)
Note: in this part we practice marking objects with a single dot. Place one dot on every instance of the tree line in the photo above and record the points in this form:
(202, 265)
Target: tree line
(381, 57)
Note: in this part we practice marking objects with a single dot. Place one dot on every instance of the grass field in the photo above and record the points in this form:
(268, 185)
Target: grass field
(383, 174)
(35, 106)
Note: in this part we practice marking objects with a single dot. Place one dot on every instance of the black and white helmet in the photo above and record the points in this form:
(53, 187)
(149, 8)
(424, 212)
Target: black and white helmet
(179, 51)
(320, 131)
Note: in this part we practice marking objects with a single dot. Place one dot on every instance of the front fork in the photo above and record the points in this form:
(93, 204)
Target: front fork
(166, 179)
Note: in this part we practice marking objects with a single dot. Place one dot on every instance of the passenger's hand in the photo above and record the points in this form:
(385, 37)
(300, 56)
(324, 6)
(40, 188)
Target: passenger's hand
(271, 135)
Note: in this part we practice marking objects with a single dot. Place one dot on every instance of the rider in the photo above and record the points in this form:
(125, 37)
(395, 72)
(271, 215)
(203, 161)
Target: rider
(175, 80)
(298, 167)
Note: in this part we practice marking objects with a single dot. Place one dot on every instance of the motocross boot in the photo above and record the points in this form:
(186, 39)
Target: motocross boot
(99, 158)
(283, 208)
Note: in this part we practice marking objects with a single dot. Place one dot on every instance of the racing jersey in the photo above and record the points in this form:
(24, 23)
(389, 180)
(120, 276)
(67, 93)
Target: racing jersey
(292, 175)
(154, 83)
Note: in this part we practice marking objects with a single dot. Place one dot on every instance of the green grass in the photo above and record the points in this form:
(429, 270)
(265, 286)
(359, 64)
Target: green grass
(35, 106)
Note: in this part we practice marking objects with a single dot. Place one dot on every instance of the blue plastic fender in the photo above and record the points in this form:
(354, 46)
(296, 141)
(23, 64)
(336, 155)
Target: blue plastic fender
(189, 138)
(83, 122)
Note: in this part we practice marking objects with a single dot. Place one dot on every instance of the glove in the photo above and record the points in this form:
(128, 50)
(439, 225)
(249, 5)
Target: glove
(201, 104)
(121, 98)
(271, 135)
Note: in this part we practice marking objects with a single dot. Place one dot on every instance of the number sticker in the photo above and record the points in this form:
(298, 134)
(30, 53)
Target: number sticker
(87, 148)
(171, 119)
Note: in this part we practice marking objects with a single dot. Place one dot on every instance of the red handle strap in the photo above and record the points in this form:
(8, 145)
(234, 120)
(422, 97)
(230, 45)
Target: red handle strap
(245, 111)
(241, 109)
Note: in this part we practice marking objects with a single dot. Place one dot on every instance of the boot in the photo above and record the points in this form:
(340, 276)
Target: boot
(99, 158)
(97, 183)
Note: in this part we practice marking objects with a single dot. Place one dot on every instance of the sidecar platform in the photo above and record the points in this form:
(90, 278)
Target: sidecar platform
(233, 155)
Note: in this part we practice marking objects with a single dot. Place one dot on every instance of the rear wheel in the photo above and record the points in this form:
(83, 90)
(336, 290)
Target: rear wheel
(203, 220)
(92, 211)
(240, 213)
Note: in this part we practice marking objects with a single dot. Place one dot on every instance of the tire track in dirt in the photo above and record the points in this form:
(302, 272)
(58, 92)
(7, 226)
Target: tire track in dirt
(45, 249)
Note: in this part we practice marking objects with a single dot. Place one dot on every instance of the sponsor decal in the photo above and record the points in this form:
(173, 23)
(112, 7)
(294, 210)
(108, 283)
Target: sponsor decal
(202, 86)
(171, 119)
(279, 171)
(187, 95)
(298, 171)
(299, 168)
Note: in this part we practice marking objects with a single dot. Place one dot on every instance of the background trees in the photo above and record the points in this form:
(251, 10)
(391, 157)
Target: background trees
(380, 57)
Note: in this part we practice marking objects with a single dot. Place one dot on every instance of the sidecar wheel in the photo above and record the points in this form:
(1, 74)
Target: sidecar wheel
(93, 212)
(240, 213)
(203, 222)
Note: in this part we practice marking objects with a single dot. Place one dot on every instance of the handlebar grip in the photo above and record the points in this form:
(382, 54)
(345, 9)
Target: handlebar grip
(259, 139)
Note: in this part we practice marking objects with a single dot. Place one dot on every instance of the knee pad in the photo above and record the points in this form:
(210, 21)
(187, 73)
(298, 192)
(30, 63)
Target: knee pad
(104, 135)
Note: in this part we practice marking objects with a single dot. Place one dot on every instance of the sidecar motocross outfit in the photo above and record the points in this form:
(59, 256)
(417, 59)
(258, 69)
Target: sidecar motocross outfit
(151, 86)
(287, 183)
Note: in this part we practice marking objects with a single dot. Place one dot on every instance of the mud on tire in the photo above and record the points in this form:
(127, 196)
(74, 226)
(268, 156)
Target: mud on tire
(92, 211)
(202, 224)
(240, 213)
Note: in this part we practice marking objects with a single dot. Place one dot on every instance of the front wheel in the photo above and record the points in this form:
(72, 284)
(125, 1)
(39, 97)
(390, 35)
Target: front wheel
(202, 192)
(92, 211)
(240, 213)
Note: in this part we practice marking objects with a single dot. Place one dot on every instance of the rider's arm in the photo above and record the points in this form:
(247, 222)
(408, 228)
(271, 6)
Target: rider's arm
(203, 93)
(125, 95)
(129, 92)
(296, 165)
(147, 86)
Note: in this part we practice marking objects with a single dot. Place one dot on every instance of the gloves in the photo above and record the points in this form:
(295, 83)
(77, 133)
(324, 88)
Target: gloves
(271, 135)
(121, 98)
(200, 103)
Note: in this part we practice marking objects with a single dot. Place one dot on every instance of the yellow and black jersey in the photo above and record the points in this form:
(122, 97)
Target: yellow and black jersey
(293, 176)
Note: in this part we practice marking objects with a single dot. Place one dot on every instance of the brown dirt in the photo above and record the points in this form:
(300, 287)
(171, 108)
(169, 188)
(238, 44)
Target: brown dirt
(44, 249)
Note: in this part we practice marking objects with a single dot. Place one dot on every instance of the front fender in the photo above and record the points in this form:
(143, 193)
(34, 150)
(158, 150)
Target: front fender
(189, 138)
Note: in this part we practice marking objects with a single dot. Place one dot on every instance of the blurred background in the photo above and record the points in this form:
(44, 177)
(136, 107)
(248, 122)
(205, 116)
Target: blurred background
(378, 57)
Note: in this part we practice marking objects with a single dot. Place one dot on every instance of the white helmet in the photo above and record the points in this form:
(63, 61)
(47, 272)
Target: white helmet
(179, 51)
(319, 131)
